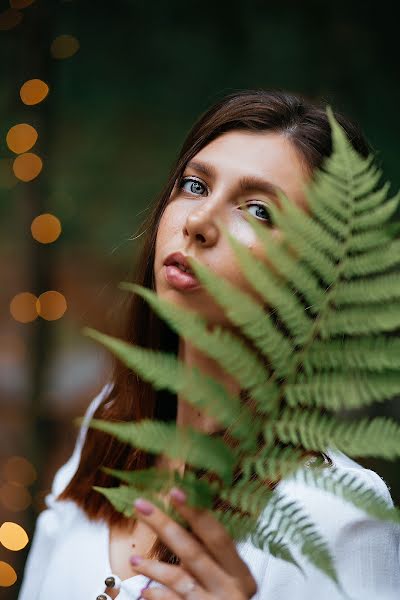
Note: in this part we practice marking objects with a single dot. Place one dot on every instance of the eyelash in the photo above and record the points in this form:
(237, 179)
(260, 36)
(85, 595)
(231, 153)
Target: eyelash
(183, 180)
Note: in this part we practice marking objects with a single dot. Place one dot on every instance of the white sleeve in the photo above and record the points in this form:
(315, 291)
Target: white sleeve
(52, 521)
(366, 551)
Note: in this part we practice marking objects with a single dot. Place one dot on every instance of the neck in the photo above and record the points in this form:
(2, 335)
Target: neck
(191, 415)
(188, 414)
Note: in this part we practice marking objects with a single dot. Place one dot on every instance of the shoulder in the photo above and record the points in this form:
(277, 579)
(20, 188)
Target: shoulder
(329, 511)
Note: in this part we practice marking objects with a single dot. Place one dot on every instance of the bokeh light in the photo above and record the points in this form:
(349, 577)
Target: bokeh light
(19, 470)
(45, 228)
(33, 91)
(51, 305)
(13, 536)
(23, 307)
(21, 3)
(10, 18)
(15, 497)
(7, 177)
(7, 574)
(64, 46)
(21, 138)
(27, 166)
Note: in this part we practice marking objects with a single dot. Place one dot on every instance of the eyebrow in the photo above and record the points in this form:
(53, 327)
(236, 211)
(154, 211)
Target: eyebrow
(247, 183)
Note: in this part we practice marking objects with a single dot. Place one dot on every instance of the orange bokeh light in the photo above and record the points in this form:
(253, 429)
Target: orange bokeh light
(45, 228)
(27, 166)
(33, 91)
(13, 536)
(15, 497)
(7, 574)
(64, 46)
(23, 307)
(51, 305)
(21, 138)
(21, 3)
(19, 470)
(10, 18)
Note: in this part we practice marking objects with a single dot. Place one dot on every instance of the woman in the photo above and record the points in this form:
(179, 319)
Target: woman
(235, 158)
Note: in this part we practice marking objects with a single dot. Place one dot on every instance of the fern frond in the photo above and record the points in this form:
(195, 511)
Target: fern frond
(248, 315)
(193, 447)
(289, 520)
(308, 428)
(199, 491)
(379, 289)
(348, 486)
(369, 353)
(164, 371)
(350, 390)
(275, 293)
(231, 353)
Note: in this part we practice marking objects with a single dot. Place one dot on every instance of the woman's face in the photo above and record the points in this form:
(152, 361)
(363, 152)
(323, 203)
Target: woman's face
(189, 222)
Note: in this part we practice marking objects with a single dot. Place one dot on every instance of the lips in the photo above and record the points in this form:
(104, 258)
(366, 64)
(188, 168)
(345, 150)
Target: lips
(177, 259)
(176, 275)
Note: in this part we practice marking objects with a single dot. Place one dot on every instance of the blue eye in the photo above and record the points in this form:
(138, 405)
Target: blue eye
(260, 206)
(195, 185)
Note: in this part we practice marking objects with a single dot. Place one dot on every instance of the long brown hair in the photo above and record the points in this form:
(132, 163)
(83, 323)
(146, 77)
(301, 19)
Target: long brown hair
(305, 123)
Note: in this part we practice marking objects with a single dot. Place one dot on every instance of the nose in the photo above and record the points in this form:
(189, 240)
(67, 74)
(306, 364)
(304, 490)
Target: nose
(201, 227)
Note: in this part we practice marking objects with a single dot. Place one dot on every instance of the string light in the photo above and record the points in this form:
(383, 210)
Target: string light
(10, 18)
(21, 138)
(13, 536)
(19, 470)
(46, 228)
(23, 307)
(33, 91)
(51, 305)
(64, 46)
(15, 497)
(7, 574)
(27, 166)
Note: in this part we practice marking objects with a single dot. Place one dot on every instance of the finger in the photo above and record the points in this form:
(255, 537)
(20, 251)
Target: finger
(191, 552)
(216, 539)
(172, 576)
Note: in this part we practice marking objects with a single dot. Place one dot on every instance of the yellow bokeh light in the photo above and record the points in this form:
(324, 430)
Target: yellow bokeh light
(15, 497)
(64, 46)
(21, 3)
(46, 228)
(7, 574)
(23, 307)
(10, 18)
(27, 166)
(13, 536)
(21, 138)
(33, 91)
(7, 177)
(19, 470)
(51, 305)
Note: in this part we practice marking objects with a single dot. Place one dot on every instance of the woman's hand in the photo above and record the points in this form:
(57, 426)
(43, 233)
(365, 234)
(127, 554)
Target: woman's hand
(210, 569)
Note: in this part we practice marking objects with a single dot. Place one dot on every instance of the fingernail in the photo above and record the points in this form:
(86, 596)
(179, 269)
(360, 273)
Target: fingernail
(143, 506)
(178, 495)
(135, 560)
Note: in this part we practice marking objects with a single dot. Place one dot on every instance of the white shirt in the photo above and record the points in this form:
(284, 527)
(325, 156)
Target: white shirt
(69, 556)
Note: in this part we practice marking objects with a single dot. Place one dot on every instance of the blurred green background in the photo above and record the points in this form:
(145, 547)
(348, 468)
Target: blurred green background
(124, 90)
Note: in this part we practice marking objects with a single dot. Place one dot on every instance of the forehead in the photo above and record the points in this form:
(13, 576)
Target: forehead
(268, 155)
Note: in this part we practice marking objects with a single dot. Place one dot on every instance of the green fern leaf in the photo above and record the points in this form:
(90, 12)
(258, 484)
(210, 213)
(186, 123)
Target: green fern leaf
(187, 443)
